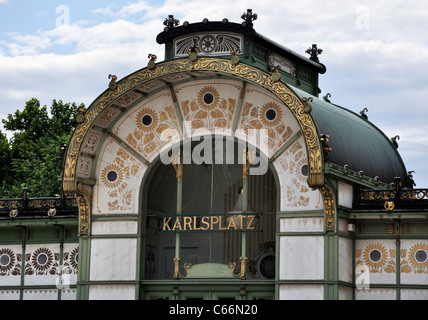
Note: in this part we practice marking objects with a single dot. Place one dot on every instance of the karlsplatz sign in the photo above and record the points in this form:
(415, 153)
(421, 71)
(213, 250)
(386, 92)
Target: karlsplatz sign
(219, 223)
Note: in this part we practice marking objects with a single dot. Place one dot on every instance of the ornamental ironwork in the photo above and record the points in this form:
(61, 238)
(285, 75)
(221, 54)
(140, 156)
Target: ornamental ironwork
(390, 200)
(38, 207)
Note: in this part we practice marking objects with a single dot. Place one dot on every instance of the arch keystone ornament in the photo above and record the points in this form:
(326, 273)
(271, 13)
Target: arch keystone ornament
(144, 76)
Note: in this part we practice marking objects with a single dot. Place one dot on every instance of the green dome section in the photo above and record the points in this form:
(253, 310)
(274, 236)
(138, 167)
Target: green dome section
(355, 142)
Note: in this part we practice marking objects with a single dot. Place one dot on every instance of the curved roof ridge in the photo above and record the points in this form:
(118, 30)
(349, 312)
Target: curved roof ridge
(356, 141)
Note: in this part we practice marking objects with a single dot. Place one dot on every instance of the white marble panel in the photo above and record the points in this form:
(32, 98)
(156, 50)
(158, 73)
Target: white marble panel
(346, 195)
(113, 259)
(69, 265)
(345, 293)
(343, 225)
(375, 294)
(68, 294)
(41, 264)
(301, 292)
(40, 294)
(345, 259)
(302, 225)
(112, 292)
(301, 258)
(9, 295)
(414, 294)
(114, 227)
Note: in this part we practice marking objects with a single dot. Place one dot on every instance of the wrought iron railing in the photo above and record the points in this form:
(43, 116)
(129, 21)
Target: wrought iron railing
(49, 207)
(393, 199)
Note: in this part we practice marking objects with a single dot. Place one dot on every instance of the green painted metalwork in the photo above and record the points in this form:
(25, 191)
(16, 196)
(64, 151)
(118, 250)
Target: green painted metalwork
(355, 141)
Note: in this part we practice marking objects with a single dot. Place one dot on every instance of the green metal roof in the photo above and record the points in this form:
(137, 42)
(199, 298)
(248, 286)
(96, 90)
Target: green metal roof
(355, 141)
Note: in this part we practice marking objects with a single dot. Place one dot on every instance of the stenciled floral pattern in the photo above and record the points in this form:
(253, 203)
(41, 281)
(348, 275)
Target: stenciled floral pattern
(267, 116)
(296, 193)
(10, 262)
(415, 259)
(41, 262)
(116, 178)
(151, 127)
(71, 261)
(376, 257)
(209, 110)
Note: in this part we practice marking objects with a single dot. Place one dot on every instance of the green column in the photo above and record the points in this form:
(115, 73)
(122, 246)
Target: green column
(84, 267)
(179, 168)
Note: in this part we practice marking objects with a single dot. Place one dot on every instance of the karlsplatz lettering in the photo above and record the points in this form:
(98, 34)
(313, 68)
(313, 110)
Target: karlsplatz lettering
(209, 223)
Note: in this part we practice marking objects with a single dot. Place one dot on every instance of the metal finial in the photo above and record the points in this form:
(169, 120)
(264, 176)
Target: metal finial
(363, 113)
(170, 22)
(249, 17)
(314, 51)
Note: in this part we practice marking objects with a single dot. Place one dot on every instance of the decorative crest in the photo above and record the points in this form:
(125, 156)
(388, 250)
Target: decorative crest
(193, 52)
(152, 63)
(112, 84)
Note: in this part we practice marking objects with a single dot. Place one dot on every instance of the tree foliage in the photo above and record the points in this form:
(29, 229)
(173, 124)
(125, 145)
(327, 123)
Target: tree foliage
(32, 157)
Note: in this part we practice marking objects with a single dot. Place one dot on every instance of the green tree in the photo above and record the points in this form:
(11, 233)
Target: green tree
(36, 146)
(4, 156)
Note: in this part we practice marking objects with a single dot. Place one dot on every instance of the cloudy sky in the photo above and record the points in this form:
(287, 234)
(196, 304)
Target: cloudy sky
(376, 52)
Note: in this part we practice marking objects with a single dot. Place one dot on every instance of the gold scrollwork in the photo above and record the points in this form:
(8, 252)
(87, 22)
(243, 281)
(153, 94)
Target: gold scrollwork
(84, 199)
(176, 268)
(176, 163)
(389, 206)
(248, 157)
(330, 211)
(243, 266)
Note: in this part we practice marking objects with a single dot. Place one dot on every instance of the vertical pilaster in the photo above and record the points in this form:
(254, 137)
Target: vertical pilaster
(331, 246)
(178, 166)
(84, 267)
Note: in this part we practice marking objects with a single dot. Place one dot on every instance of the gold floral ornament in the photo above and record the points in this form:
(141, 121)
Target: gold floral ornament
(418, 257)
(147, 120)
(116, 177)
(112, 176)
(376, 257)
(271, 114)
(208, 98)
(150, 127)
(209, 110)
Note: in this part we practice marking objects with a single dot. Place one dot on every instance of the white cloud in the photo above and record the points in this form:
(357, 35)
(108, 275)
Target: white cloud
(383, 68)
(27, 44)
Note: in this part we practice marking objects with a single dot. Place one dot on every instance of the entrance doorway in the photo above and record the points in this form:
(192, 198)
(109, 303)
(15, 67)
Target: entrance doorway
(224, 253)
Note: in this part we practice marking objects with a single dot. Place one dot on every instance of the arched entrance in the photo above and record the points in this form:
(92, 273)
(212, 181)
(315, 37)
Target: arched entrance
(225, 249)
(119, 142)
